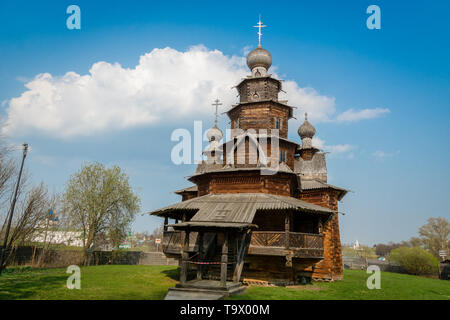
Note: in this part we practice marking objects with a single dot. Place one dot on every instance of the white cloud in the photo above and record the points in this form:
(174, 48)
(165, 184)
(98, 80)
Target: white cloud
(166, 86)
(381, 155)
(246, 50)
(337, 149)
(319, 107)
(357, 115)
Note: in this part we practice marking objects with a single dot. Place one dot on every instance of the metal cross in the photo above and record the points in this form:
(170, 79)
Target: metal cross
(216, 104)
(259, 26)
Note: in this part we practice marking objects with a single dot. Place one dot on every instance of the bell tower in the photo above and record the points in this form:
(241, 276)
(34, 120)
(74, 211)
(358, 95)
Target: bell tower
(259, 107)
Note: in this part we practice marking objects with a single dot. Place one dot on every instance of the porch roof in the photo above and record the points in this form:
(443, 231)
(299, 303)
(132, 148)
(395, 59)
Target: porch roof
(211, 225)
(238, 207)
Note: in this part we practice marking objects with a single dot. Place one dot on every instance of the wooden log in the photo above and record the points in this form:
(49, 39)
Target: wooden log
(185, 258)
(223, 267)
(245, 243)
(287, 228)
(166, 222)
(200, 255)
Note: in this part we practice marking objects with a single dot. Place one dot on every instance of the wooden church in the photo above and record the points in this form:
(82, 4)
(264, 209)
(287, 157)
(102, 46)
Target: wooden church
(260, 206)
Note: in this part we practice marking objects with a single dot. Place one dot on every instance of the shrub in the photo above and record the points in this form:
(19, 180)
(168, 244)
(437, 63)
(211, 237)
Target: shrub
(415, 260)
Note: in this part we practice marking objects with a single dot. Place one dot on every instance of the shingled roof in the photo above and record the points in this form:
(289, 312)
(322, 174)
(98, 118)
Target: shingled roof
(188, 189)
(238, 207)
(316, 184)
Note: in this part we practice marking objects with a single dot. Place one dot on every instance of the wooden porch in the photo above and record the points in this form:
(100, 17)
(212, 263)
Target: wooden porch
(278, 243)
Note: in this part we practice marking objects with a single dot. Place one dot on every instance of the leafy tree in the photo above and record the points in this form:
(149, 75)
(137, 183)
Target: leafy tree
(435, 235)
(100, 200)
(415, 260)
(384, 250)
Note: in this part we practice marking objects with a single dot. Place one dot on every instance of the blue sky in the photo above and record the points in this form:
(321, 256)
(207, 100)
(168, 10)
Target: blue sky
(396, 163)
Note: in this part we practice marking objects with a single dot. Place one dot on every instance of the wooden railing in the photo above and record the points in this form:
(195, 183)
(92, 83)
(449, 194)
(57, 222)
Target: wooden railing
(299, 245)
(171, 241)
(309, 243)
(305, 240)
(287, 240)
(268, 239)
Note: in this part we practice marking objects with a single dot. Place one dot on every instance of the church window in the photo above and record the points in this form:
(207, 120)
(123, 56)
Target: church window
(282, 156)
(278, 123)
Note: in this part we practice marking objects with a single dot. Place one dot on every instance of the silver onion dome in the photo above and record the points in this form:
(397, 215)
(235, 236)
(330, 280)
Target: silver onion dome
(259, 57)
(214, 134)
(306, 130)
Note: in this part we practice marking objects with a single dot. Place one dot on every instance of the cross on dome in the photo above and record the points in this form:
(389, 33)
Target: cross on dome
(259, 26)
(216, 104)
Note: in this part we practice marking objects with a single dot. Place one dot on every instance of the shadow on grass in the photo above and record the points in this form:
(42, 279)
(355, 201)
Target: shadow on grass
(21, 286)
(173, 274)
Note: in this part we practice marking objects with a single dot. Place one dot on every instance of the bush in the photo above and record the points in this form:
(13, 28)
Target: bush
(415, 260)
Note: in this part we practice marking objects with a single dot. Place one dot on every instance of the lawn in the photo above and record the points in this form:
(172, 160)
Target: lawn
(152, 282)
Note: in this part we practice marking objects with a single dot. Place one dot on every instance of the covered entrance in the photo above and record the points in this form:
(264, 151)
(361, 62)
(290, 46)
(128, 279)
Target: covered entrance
(214, 269)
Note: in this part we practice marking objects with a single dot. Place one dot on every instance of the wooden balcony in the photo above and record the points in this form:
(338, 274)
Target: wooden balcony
(279, 243)
(272, 243)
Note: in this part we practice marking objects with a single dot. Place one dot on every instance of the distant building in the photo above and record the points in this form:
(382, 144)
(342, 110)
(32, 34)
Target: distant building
(68, 238)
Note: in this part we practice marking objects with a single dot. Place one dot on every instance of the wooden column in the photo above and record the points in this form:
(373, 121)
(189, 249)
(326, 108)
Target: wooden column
(166, 222)
(200, 255)
(183, 233)
(245, 241)
(185, 258)
(223, 266)
(287, 227)
(287, 230)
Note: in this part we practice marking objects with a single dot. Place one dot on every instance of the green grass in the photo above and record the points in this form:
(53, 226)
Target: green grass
(353, 287)
(97, 282)
(152, 282)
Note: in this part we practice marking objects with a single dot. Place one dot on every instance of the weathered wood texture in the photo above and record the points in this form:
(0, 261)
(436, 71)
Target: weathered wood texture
(261, 116)
(188, 195)
(331, 266)
(249, 153)
(256, 89)
(246, 182)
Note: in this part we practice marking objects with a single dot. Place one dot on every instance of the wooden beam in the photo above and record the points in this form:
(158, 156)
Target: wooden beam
(166, 222)
(185, 258)
(245, 243)
(200, 254)
(223, 267)
(287, 228)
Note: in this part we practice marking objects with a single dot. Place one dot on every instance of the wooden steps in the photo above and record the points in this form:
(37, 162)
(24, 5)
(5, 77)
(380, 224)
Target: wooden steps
(203, 290)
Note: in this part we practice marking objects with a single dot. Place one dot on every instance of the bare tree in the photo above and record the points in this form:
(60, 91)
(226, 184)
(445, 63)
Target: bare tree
(29, 220)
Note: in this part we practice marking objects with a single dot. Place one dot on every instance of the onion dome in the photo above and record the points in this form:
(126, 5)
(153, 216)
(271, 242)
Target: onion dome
(214, 134)
(306, 130)
(259, 57)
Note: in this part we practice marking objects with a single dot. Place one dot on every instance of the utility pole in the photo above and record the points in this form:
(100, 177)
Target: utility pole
(11, 210)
